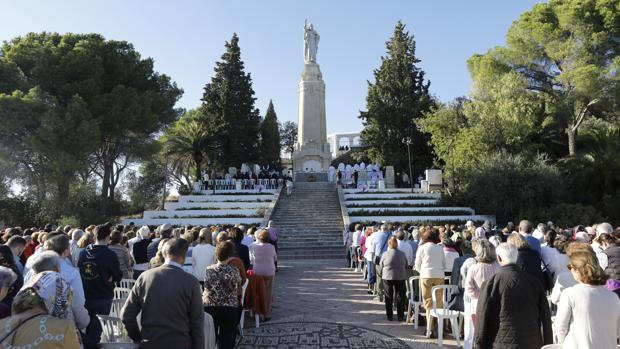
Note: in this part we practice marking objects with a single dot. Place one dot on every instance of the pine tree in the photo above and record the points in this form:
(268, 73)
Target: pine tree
(396, 101)
(270, 137)
(228, 110)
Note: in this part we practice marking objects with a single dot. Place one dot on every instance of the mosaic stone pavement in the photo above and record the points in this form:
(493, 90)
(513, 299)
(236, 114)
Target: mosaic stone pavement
(323, 304)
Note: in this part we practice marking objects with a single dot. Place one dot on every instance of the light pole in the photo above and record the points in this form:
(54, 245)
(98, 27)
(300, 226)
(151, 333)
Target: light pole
(407, 141)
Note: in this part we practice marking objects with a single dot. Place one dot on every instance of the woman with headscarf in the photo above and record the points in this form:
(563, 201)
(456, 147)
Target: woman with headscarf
(6, 260)
(40, 313)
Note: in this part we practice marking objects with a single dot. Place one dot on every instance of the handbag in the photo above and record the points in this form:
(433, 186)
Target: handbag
(547, 276)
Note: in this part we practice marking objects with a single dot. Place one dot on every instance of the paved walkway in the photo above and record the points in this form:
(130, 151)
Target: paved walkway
(323, 304)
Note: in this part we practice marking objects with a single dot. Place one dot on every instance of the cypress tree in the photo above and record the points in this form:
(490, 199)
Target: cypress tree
(270, 137)
(228, 110)
(396, 101)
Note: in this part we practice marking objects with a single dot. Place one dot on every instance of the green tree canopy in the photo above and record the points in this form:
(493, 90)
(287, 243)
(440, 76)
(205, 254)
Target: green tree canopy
(82, 92)
(288, 136)
(566, 53)
(396, 101)
(228, 110)
(270, 137)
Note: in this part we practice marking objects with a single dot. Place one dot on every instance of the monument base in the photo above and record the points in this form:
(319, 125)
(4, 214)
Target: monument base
(312, 158)
(310, 176)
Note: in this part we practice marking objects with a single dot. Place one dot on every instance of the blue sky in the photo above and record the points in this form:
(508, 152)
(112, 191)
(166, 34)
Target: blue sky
(186, 38)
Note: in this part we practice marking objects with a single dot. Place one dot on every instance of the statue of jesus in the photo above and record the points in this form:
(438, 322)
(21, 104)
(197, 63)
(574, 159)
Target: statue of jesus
(311, 43)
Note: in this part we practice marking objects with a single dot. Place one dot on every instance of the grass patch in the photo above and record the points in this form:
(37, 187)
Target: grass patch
(207, 208)
(217, 216)
(421, 197)
(410, 213)
(369, 205)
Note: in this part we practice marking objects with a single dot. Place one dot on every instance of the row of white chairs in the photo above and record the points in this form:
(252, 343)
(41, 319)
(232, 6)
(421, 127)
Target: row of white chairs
(231, 184)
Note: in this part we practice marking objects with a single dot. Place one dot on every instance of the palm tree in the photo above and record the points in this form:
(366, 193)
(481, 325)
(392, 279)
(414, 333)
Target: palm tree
(187, 141)
(601, 146)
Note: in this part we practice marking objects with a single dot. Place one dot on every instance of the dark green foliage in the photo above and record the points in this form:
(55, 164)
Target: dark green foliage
(508, 186)
(396, 101)
(78, 106)
(146, 190)
(288, 136)
(228, 110)
(270, 138)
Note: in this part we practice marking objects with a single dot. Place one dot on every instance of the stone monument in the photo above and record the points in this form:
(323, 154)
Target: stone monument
(312, 153)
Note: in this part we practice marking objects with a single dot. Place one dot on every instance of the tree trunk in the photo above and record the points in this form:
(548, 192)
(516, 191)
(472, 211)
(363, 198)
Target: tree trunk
(198, 169)
(572, 140)
(62, 198)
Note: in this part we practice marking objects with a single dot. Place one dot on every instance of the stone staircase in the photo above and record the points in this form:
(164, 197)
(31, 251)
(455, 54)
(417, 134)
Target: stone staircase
(310, 222)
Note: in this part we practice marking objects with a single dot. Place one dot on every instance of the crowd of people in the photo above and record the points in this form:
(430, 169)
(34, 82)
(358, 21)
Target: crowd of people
(56, 281)
(511, 282)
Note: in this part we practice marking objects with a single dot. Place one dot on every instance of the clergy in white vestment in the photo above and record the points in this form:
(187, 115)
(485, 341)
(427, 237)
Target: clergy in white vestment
(330, 173)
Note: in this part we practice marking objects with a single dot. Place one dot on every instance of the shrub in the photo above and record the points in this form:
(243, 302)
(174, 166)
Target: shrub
(510, 185)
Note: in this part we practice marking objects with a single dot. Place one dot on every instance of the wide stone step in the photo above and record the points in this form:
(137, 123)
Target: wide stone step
(312, 255)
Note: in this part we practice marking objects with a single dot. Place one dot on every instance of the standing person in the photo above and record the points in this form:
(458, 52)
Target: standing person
(17, 244)
(124, 259)
(355, 245)
(164, 231)
(512, 308)
(486, 266)
(58, 249)
(263, 257)
(220, 294)
(379, 247)
(394, 274)
(138, 251)
(99, 269)
(525, 229)
(527, 259)
(236, 236)
(273, 237)
(7, 260)
(169, 303)
(430, 262)
(76, 235)
(588, 314)
(203, 255)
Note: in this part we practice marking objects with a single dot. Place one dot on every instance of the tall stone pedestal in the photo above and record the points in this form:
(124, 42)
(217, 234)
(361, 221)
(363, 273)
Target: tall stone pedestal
(312, 152)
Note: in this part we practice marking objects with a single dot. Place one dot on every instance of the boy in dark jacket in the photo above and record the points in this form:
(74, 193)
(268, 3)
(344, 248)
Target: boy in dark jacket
(99, 269)
(512, 308)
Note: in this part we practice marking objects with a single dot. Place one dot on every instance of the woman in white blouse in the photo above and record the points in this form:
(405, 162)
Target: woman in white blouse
(203, 255)
(430, 262)
(588, 314)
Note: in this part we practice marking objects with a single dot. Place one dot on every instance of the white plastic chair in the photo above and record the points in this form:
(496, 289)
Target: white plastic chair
(113, 330)
(117, 305)
(127, 283)
(445, 312)
(121, 292)
(242, 320)
(129, 345)
(414, 305)
(553, 346)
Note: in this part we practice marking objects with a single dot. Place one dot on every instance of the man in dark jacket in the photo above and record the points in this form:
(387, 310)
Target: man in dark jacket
(99, 269)
(512, 308)
(163, 232)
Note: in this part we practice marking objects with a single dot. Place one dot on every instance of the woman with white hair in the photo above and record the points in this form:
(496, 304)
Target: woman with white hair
(138, 249)
(7, 278)
(478, 273)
